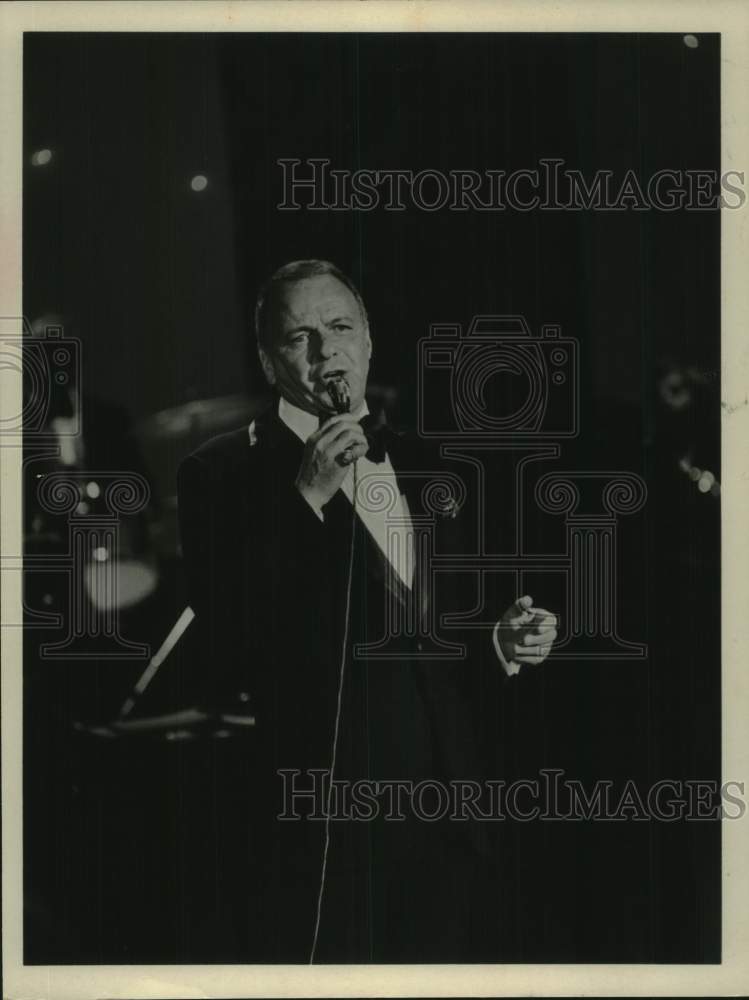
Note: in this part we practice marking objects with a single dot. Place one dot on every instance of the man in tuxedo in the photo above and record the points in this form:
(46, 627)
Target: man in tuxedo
(298, 539)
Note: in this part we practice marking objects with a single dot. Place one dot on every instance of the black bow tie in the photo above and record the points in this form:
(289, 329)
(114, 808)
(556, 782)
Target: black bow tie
(376, 434)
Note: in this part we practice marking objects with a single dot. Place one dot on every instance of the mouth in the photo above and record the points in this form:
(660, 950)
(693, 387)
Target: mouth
(338, 390)
(326, 380)
(334, 373)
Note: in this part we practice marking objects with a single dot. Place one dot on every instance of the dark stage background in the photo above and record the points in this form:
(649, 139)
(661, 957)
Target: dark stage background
(157, 280)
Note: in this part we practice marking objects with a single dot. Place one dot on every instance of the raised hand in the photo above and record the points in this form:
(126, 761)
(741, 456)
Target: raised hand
(526, 634)
(327, 455)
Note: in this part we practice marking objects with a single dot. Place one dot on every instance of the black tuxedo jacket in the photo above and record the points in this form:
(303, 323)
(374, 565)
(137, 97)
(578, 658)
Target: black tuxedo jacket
(269, 583)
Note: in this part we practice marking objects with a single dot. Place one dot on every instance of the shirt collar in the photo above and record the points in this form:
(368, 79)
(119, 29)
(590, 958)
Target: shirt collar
(304, 424)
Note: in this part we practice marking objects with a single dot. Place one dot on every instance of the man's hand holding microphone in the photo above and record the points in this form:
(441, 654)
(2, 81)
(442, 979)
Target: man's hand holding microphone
(327, 455)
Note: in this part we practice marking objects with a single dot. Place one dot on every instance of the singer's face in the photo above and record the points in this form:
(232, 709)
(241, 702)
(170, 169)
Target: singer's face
(317, 328)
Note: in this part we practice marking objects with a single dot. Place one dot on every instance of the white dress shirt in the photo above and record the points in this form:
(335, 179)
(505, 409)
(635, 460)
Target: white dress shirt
(391, 528)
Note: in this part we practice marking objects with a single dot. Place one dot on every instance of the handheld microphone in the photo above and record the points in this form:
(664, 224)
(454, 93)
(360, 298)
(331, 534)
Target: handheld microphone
(340, 397)
(338, 391)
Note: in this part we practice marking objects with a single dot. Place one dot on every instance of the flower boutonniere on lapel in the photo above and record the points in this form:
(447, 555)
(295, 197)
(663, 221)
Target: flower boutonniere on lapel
(451, 508)
(444, 496)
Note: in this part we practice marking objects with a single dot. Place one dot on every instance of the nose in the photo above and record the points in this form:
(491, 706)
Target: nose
(325, 344)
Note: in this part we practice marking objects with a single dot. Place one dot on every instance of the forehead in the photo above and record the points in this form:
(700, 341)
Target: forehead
(322, 296)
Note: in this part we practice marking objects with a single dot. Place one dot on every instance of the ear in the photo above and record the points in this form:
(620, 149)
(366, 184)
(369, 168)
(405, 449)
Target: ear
(268, 369)
(368, 342)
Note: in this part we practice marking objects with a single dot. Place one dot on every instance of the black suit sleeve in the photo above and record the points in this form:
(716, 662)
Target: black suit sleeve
(494, 702)
(254, 555)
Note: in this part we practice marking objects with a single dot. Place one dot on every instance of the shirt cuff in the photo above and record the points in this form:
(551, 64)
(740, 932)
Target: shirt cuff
(511, 667)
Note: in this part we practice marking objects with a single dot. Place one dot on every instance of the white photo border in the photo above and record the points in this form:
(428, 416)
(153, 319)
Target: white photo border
(731, 977)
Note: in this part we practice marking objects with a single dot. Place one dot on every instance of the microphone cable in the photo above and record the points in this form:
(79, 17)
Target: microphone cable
(341, 674)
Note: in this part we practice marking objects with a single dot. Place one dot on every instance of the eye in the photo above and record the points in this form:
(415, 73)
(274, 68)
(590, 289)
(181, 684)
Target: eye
(341, 327)
(296, 339)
